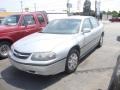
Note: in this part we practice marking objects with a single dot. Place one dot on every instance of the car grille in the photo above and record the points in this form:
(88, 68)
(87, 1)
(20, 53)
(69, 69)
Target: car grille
(21, 55)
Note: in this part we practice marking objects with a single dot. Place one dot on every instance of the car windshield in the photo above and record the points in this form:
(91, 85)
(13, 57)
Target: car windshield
(63, 26)
(11, 20)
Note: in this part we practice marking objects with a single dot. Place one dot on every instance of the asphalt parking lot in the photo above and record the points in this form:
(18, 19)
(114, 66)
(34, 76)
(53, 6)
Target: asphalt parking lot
(93, 73)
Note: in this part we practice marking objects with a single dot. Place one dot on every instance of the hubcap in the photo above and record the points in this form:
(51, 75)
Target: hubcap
(72, 61)
(4, 50)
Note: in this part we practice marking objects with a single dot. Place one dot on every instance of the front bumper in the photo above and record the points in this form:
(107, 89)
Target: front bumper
(48, 69)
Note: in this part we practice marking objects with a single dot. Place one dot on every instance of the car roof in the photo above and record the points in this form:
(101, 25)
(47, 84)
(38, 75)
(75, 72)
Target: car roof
(26, 13)
(70, 17)
(77, 17)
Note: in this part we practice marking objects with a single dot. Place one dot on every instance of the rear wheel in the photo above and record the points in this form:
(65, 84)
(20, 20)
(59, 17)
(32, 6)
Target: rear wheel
(72, 61)
(4, 49)
(100, 42)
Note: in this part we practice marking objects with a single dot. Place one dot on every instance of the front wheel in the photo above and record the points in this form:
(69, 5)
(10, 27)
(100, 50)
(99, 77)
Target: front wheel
(4, 49)
(72, 61)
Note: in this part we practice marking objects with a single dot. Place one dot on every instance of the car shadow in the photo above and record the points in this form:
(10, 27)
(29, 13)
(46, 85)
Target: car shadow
(1, 58)
(27, 81)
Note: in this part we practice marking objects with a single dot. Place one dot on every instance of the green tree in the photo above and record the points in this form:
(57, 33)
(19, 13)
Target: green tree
(114, 13)
(119, 14)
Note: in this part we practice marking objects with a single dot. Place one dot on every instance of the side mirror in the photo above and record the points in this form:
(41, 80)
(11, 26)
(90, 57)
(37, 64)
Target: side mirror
(25, 23)
(86, 30)
(118, 38)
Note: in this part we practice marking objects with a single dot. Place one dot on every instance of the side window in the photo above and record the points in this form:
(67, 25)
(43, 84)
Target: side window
(87, 24)
(41, 19)
(94, 22)
(28, 20)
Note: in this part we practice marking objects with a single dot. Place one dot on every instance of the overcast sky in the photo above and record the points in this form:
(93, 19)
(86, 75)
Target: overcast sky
(14, 5)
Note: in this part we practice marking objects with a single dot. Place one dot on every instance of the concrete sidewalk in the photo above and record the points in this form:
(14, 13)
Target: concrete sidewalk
(1, 87)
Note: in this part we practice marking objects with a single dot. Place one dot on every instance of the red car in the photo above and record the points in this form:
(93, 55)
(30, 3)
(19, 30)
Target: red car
(17, 26)
(115, 19)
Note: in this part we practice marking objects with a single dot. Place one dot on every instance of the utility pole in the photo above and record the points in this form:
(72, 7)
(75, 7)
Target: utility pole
(35, 7)
(97, 8)
(78, 5)
(68, 9)
(69, 6)
(107, 13)
(21, 3)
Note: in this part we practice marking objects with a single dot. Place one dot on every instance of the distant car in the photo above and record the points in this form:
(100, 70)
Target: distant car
(115, 80)
(58, 47)
(115, 19)
(17, 26)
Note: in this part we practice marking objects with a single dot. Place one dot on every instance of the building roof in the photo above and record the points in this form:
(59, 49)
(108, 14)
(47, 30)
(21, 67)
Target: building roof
(4, 14)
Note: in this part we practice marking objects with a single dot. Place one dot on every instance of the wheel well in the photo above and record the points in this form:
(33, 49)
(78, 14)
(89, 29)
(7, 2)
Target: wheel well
(76, 47)
(6, 40)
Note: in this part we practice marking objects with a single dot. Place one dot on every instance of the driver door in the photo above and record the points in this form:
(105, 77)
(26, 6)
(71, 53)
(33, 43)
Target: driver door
(88, 36)
(28, 25)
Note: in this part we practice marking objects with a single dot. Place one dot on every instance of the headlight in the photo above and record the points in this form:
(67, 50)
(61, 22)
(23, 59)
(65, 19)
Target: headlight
(43, 56)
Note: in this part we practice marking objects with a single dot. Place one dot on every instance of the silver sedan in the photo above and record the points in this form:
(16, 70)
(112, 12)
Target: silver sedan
(59, 47)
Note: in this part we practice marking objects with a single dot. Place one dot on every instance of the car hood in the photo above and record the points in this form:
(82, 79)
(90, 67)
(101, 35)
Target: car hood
(40, 42)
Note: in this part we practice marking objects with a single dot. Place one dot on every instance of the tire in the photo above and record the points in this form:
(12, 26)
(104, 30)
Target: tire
(72, 61)
(100, 42)
(114, 86)
(4, 48)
